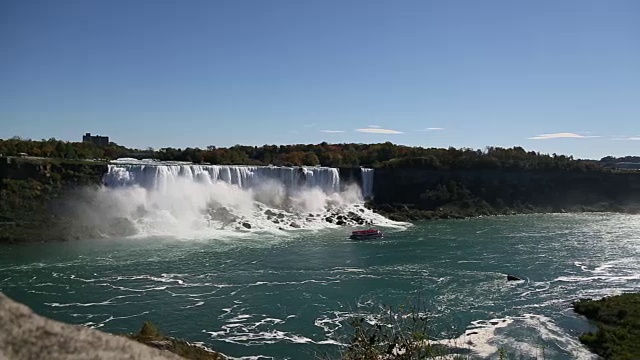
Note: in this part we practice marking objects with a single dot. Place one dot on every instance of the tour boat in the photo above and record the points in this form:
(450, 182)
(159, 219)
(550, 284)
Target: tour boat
(366, 234)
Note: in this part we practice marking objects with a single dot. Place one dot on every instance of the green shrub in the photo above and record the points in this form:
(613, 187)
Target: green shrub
(618, 321)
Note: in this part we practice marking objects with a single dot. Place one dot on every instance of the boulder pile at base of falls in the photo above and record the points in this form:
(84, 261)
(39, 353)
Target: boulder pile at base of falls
(263, 219)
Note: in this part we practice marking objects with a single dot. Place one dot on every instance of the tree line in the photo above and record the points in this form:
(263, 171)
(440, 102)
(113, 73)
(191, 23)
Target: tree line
(335, 155)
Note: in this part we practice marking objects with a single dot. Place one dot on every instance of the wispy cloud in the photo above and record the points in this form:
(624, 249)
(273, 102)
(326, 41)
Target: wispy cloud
(432, 129)
(377, 130)
(634, 138)
(332, 131)
(566, 135)
(375, 126)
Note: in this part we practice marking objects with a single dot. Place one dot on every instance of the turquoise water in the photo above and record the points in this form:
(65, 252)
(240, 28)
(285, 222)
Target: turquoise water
(291, 297)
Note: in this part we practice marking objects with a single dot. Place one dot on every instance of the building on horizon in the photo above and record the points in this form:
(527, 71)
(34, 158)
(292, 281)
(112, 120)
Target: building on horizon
(96, 139)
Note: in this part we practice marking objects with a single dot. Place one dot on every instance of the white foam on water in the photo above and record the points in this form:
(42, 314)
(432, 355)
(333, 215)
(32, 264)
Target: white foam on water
(241, 334)
(478, 337)
(617, 271)
(484, 338)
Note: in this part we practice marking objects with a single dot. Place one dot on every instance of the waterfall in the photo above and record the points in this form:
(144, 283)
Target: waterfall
(367, 183)
(151, 198)
(158, 177)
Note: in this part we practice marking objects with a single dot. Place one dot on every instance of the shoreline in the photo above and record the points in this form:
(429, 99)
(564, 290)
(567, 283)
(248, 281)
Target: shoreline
(25, 233)
(405, 213)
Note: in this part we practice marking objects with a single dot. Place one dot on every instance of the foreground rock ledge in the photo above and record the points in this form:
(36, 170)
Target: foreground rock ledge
(26, 335)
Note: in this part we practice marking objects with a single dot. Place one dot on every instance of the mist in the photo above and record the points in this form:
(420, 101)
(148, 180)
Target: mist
(193, 201)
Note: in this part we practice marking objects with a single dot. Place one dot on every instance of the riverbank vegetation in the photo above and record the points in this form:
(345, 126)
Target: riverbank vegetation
(401, 334)
(618, 322)
(336, 155)
(151, 336)
(31, 191)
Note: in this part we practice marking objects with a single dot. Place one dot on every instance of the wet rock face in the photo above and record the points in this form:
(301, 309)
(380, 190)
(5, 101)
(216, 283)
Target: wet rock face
(351, 218)
(246, 225)
(25, 335)
(222, 214)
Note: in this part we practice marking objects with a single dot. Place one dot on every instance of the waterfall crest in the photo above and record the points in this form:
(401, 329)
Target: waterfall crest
(151, 176)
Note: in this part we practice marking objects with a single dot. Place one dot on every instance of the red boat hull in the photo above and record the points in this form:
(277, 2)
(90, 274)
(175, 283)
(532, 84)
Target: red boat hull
(366, 234)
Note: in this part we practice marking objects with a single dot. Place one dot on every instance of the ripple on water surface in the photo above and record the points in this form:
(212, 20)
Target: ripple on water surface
(288, 296)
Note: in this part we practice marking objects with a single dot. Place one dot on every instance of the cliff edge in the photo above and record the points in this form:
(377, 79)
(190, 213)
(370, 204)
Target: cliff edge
(414, 193)
(26, 335)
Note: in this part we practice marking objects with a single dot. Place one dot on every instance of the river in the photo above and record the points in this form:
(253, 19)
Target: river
(291, 295)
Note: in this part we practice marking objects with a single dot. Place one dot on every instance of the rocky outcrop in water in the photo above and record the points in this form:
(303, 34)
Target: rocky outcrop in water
(351, 218)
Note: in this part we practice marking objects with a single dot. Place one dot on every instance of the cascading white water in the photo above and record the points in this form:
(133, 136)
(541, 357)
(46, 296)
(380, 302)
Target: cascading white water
(188, 200)
(367, 183)
(154, 176)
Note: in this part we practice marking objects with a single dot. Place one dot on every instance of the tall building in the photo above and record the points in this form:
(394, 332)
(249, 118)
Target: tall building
(96, 139)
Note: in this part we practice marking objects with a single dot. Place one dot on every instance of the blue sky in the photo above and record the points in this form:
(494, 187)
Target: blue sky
(551, 76)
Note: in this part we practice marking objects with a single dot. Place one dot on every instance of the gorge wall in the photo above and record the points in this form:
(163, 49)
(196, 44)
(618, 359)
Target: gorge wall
(35, 193)
(420, 193)
(44, 199)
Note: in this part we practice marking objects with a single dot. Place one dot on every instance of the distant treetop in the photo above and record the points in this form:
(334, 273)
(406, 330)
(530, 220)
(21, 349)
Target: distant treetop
(336, 155)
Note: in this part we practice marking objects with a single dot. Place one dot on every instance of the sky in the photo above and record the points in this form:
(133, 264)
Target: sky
(550, 76)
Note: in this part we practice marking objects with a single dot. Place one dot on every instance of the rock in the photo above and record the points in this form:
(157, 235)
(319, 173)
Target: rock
(246, 225)
(26, 335)
(340, 222)
(295, 225)
(270, 212)
(222, 214)
(512, 278)
(160, 344)
(280, 216)
(328, 219)
(121, 226)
